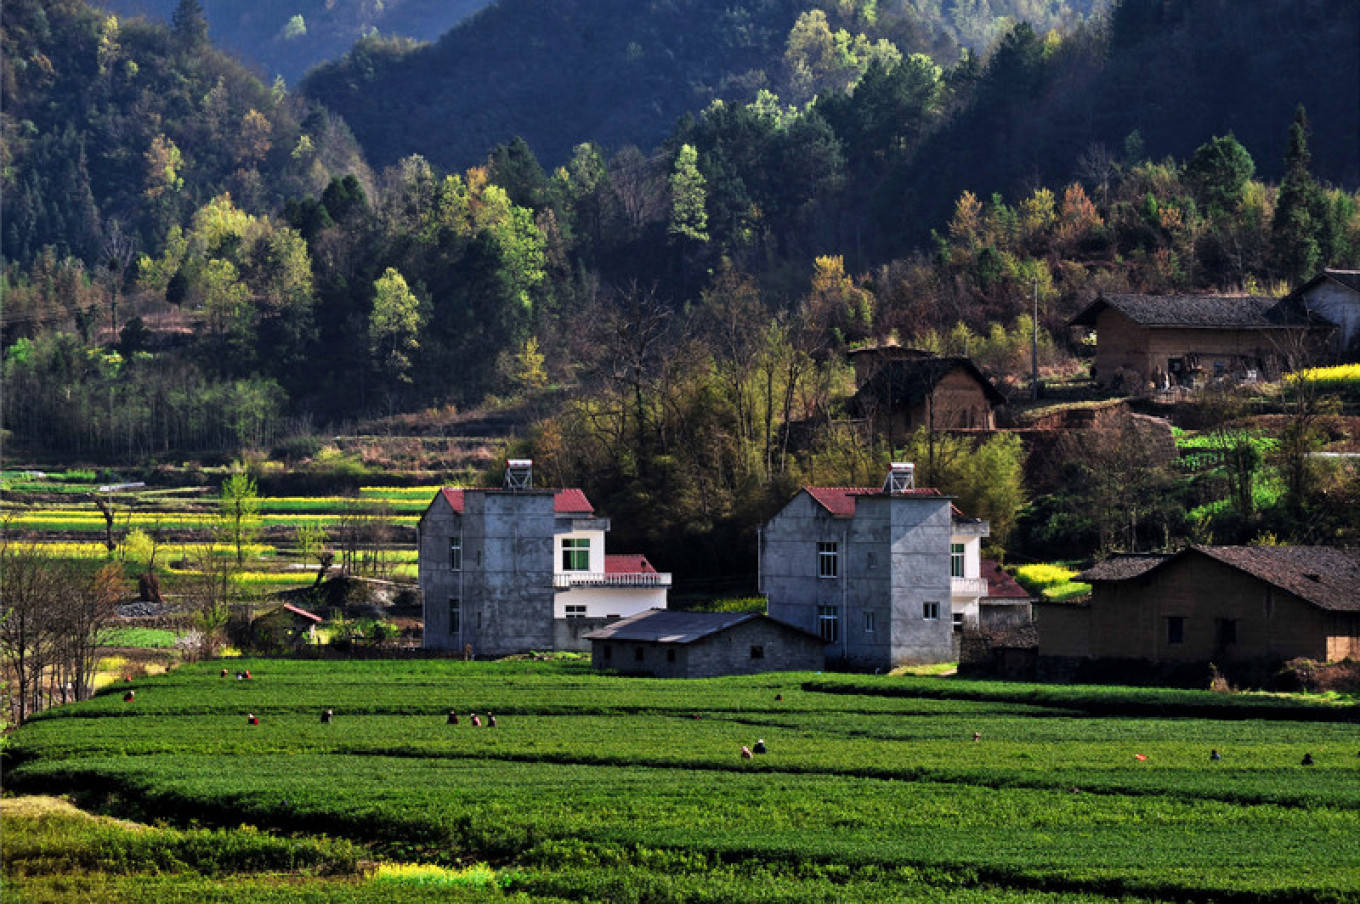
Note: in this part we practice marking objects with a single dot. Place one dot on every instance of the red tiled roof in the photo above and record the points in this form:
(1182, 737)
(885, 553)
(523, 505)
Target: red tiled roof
(303, 612)
(568, 501)
(840, 501)
(627, 563)
(1000, 584)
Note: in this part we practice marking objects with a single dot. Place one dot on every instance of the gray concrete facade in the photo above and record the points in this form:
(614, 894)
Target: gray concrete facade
(890, 591)
(504, 588)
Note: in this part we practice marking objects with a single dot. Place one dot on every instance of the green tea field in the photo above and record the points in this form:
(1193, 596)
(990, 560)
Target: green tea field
(602, 788)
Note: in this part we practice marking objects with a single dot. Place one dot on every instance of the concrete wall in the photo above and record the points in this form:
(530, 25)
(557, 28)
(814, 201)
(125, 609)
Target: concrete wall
(569, 633)
(1339, 305)
(725, 653)
(894, 556)
(505, 588)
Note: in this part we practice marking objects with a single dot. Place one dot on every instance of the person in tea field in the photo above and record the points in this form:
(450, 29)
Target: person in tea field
(1307, 760)
(745, 752)
(476, 721)
(490, 720)
(760, 746)
(453, 717)
(1214, 755)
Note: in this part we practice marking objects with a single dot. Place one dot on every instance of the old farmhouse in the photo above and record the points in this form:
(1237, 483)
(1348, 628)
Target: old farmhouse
(1154, 342)
(667, 644)
(515, 569)
(1217, 604)
(884, 576)
(901, 389)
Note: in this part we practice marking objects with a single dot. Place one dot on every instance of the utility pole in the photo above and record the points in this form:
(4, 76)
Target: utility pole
(1034, 346)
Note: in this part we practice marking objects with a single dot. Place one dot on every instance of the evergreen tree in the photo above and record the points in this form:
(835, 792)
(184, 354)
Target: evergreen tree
(1299, 210)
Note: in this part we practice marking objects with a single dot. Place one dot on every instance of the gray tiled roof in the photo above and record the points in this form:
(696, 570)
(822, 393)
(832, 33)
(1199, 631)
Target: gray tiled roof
(675, 626)
(1192, 311)
(1122, 566)
(1325, 576)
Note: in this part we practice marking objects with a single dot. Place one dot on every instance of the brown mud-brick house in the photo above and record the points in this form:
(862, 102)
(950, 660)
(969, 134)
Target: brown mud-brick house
(902, 389)
(670, 644)
(1220, 604)
(1162, 341)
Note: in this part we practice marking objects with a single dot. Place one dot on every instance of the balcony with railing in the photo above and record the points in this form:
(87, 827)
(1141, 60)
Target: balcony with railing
(565, 580)
(967, 587)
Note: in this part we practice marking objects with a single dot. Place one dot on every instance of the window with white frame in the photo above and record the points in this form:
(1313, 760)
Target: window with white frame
(930, 611)
(958, 622)
(455, 553)
(956, 560)
(455, 616)
(828, 622)
(575, 554)
(576, 610)
(828, 560)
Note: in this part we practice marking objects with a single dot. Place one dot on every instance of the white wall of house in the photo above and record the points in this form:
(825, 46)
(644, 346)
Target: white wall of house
(610, 602)
(596, 538)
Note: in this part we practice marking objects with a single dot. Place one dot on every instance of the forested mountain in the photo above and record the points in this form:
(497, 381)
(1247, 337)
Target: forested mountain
(1163, 77)
(289, 38)
(115, 131)
(616, 73)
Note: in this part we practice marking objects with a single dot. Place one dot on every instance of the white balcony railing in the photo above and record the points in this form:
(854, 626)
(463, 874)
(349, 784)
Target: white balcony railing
(564, 580)
(968, 587)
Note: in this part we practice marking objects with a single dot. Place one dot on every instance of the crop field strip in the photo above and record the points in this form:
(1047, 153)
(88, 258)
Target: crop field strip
(879, 775)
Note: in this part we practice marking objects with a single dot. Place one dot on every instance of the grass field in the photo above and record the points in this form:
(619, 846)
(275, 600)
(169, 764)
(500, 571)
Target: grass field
(604, 788)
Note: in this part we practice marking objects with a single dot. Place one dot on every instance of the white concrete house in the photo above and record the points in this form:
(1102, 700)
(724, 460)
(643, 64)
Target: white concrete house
(515, 569)
(886, 576)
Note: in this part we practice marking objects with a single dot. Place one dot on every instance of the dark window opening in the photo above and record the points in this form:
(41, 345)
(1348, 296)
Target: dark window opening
(1175, 629)
(1225, 631)
(638, 654)
(608, 652)
(757, 652)
(670, 656)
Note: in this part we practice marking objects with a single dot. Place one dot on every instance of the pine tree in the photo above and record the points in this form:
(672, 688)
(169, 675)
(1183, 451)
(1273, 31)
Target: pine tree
(1296, 229)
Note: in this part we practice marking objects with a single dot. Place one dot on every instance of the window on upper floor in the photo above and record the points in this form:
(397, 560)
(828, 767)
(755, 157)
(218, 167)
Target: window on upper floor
(455, 553)
(828, 560)
(955, 560)
(930, 611)
(575, 554)
(576, 610)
